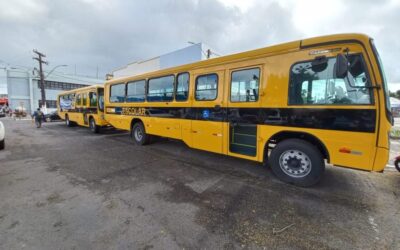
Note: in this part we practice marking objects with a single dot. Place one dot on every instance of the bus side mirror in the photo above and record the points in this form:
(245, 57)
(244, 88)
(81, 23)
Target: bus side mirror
(341, 66)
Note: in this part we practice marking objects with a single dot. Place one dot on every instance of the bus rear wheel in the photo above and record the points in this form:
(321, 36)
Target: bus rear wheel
(139, 135)
(93, 127)
(297, 162)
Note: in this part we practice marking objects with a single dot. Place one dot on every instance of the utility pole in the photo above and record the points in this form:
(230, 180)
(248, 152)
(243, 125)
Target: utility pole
(39, 58)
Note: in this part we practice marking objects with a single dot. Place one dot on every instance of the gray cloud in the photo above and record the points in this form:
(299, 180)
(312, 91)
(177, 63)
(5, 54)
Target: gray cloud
(109, 34)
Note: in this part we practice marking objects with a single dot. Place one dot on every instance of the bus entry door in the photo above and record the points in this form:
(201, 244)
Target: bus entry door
(207, 125)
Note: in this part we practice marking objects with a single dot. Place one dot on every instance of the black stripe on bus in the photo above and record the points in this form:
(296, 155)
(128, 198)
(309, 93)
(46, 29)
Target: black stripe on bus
(82, 110)
(357, 120)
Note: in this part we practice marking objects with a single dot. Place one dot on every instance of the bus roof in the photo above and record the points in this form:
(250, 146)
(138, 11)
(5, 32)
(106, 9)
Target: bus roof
(279, 48)
(96, 86)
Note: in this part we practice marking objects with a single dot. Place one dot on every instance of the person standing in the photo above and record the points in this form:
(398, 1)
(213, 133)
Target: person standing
(38, 116)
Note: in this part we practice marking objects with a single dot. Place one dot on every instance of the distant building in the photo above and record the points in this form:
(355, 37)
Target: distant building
(190, 54)
(23, 89)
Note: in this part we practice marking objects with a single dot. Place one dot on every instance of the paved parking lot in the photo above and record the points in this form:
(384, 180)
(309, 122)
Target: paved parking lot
(65, 188)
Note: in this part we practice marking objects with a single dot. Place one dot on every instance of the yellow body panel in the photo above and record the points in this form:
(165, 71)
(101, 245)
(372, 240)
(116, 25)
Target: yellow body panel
(368, 150)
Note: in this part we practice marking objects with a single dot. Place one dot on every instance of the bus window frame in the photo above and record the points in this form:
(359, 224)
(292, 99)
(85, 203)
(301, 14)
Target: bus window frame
(126, 90)
(369, 86)
(195, 87)
(119, 83)
(78, 97)
(84, 99)
(176, 86)
(158, 77)
(241, 69)
(91, 96)
(98, 99)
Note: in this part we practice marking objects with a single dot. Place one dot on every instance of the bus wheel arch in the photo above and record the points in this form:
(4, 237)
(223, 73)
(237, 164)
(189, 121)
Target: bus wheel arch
(284, 135)
(134, 121)
(138, 132)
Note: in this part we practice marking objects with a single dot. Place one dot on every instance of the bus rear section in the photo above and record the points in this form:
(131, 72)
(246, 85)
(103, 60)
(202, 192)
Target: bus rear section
(83, 107)
(295, 106)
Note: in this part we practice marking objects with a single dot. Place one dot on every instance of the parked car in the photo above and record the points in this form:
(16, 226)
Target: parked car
(2, 112)
(2, 136)
(53, 116)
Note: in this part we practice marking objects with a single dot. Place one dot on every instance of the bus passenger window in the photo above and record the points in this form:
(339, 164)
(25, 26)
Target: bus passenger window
(101, 99)
(136, 91)
(207, 87)
(93, 99)
(244, 85)
(182, 87)
(84, 100)
(117, 93)
(321, 87)
(161, 89)
(78, 100)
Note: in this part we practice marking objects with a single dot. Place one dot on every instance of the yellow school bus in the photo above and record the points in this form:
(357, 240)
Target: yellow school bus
(294, 106)
(83, 106)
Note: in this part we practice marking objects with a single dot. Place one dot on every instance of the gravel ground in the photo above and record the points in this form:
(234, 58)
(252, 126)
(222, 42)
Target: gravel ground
(65, 188)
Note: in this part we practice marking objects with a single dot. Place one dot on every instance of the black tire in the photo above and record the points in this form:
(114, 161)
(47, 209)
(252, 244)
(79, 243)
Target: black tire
(93, 127)
(138, 134)
(68, 122)
(2, 144)
(397, 165)
(297, 162)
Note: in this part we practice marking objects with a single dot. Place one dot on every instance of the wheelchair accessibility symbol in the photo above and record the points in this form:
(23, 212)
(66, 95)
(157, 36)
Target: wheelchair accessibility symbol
(206, 113)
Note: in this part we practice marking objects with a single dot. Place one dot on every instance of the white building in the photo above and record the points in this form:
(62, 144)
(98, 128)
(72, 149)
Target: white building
(190, 54)
(23, 89)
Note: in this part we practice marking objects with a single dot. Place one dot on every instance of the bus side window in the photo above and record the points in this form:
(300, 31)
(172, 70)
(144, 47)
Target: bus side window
(93, 99)
(182, 87)
(117, 92)
(84, 99)
(136, 91)
(206, 87)
(161, 89)
(244, 85)
(101, 99)
(78, 100)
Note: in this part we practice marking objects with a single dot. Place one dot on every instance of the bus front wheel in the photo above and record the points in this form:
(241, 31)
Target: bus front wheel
(139, 135)
(297, 162)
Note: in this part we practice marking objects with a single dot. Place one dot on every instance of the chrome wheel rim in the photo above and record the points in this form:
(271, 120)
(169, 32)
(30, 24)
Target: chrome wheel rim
(295, 163)
(92, 125)
(138, 134)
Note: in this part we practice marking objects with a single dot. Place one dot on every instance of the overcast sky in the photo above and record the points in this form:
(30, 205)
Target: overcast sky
(109, 34)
